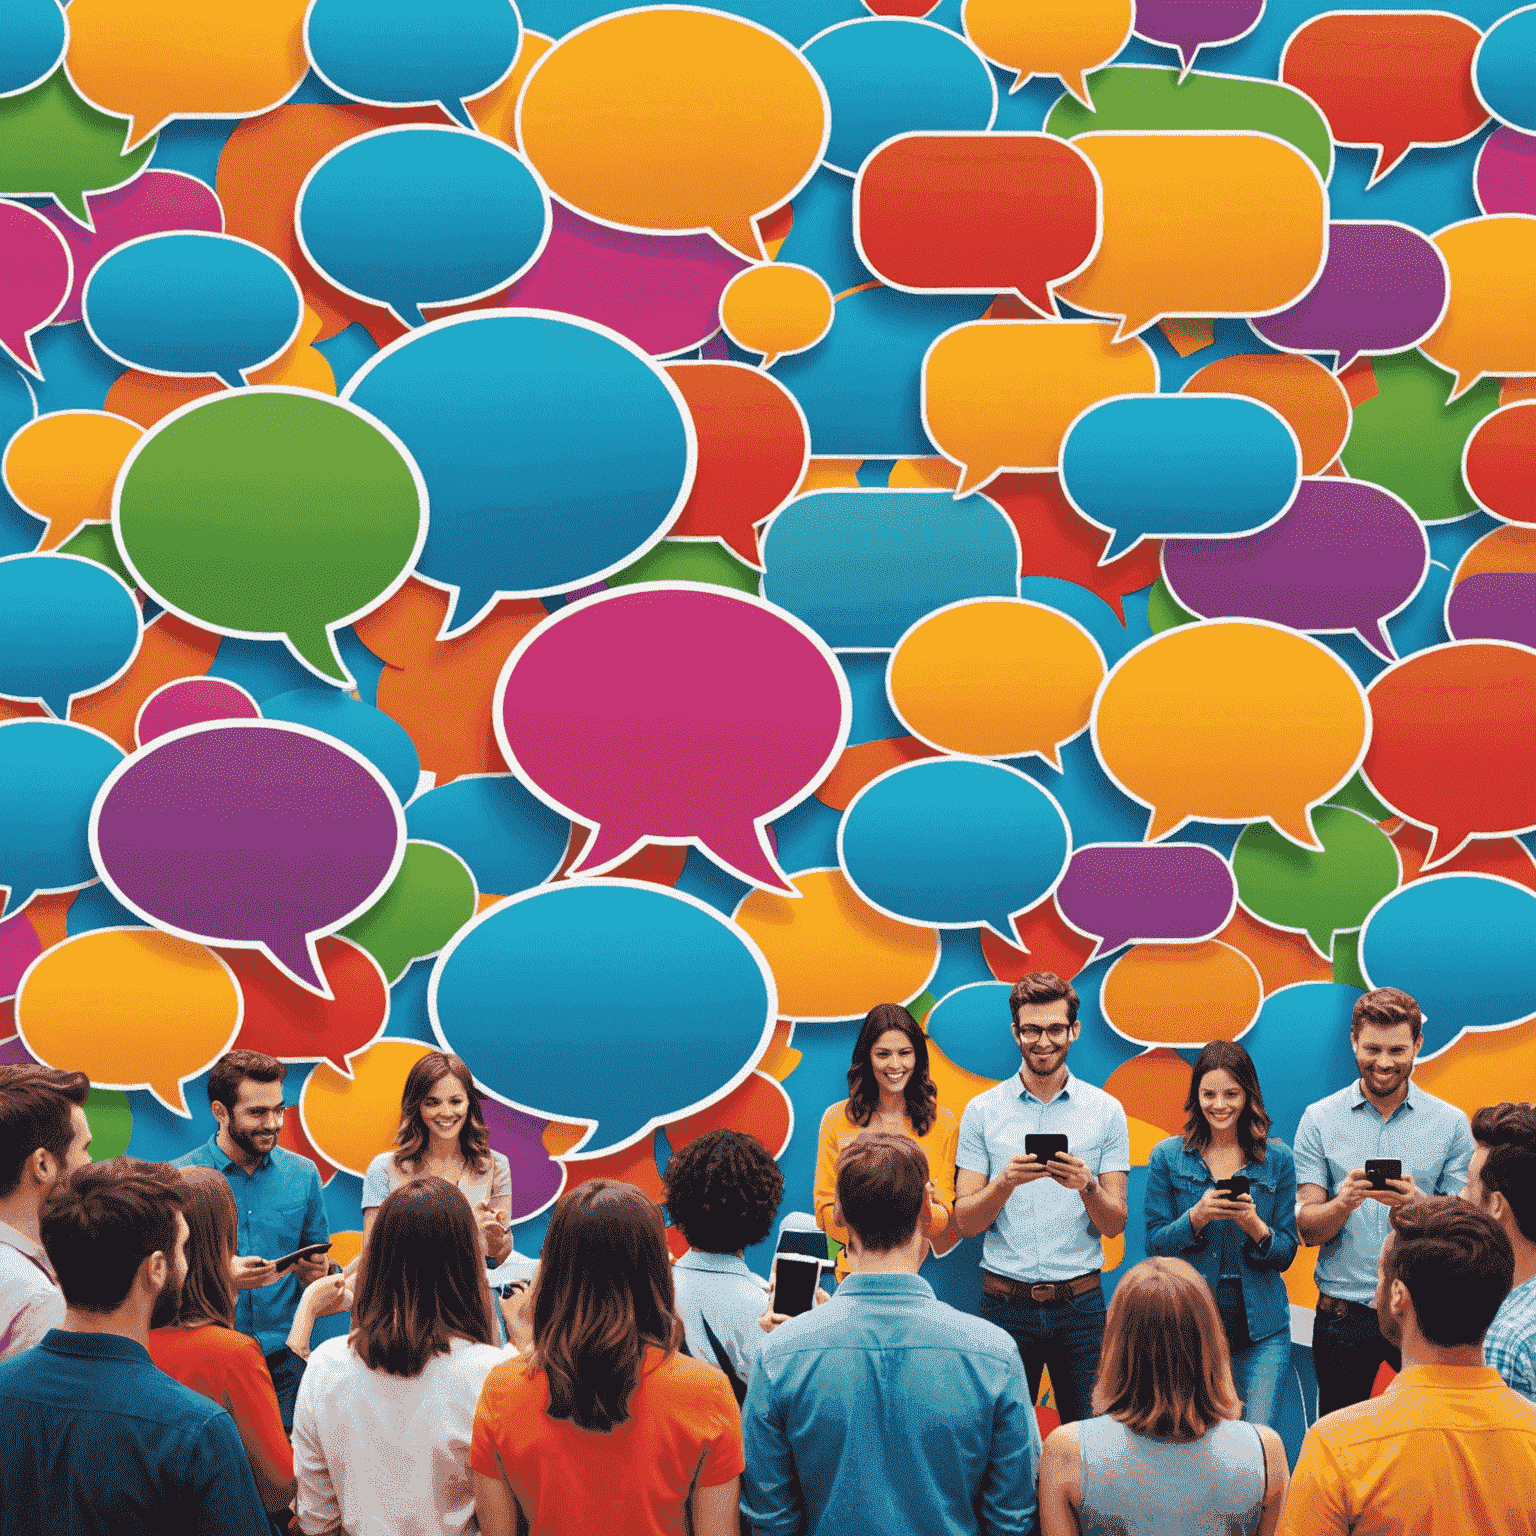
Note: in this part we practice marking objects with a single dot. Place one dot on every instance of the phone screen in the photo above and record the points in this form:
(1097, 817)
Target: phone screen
(813, 1245)
(1237, 1185)
(1045, 1146)
(794, 1286)
(1380, 1169)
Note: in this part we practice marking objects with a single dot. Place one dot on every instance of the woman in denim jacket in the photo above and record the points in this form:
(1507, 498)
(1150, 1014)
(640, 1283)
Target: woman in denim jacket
(1241, 1243)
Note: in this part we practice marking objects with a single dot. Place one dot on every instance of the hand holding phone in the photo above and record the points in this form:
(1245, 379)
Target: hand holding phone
(1045, 1146)
(1379, 1169)
(307, 1252)
(1237, 1186)
(794, 1283)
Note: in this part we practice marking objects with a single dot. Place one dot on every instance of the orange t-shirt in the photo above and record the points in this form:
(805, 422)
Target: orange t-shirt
(631, 1481)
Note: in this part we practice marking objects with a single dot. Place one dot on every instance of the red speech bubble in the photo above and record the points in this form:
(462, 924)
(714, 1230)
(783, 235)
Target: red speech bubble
(1388, 80)
(36, 271)
(1499, 462)
(978, 213)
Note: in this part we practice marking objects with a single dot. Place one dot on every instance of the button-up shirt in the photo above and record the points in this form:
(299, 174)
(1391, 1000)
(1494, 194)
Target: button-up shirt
(281, 1208)
(1431, 1138)
(720, 1300)
(1509, 1346)
(30, 1299)
(1043, 1231)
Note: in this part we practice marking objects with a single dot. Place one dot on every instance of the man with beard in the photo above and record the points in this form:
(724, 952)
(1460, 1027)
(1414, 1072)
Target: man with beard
(1340, 1208)
(97, 1441)
(1043, 1217)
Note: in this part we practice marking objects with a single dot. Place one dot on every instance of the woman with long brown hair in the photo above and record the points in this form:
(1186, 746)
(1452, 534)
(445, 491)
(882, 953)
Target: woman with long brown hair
(605, 1427)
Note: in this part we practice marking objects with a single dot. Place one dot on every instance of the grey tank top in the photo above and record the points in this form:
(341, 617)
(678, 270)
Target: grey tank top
(1136, 1486)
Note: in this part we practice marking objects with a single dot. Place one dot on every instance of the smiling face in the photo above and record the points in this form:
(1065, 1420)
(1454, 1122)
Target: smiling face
(893, 1060)
(445, 1108)
(1384, 1054)
(255, 1119)
(1044, 1035)
(1222, 1102)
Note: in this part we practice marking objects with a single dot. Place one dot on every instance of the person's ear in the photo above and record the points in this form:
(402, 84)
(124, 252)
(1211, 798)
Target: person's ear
(43, 1167)
(1399, 1302)
(1497, 1206)
(156, 1271)
(837, 1214)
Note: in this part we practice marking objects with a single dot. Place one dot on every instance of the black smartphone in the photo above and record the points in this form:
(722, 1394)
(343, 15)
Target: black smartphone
(1045, 1147)
(1238, 1184)
(1380, 1169)
(809, 1245)
(794, 1283)
(301, 1253)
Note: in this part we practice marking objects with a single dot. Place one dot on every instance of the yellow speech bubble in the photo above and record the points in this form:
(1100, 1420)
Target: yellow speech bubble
(1490, 323)
(1045, 37)
(62, 466)
(995, 677)
(1207, 224)
(675, 120)
(131, 1008)
(351, 1120)
(1231, 720)
(1000, 394)
(776, 310)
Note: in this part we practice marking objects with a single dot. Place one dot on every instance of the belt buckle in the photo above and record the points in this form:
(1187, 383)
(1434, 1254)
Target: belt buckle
(1049, 1290)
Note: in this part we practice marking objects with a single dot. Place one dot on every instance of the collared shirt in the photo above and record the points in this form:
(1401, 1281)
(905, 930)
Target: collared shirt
(281, 1208)
(720, 1300)
(1043, 1231)
(98, 1442)
(1431, 1138)
(30, 1299)
(1509, 1346)
(1444, 1448)
(889, 1403)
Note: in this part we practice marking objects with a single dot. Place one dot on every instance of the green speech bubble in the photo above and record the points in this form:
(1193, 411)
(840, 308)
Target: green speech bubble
(54, 144)
(270, 513)
(427, 902)
(1318, 894)
(109, 1113)
(1140, 98)
(690, 560)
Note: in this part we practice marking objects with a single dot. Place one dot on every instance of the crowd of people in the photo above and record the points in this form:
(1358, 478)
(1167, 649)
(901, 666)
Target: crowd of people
(157, 1375)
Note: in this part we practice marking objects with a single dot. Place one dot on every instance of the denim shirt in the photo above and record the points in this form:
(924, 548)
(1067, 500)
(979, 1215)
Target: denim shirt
(1176, 1180)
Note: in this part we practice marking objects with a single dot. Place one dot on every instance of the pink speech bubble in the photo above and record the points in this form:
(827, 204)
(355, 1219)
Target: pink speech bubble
(35, 274)
(19, 947)
(1505, 176)
(191, 701)
(673, 713)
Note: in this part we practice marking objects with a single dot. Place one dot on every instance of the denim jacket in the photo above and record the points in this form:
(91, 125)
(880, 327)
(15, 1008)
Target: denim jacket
(1176, 1179)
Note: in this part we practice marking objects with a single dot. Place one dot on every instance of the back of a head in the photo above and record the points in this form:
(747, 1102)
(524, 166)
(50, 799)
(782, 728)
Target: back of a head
(603, 1294)
(213, 1224)
(882, 1184)
(421, 1282)
(36, 1105)
(1456, 1263)
(1508, 1131)
(1165, 1370)
(722, 1190)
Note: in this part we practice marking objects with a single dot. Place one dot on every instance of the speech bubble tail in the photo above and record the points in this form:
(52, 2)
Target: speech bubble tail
(74, 202)
(295, 957)
(746, 853)
(611, 843)
(1375, 635)
(1161, 822)
(233, 378)
(317, 650)
(1076, 83)
(342, 1065)
(1020, 80)
(458, 112)
(1344, 359)
(742, 238)
(1130, 327)
(1388, 158)
(1119, 545)
(1186, 60)
(173, 1096)
(1297, 825)
(137, 135)
(972, 478)
(18, 348)
(1042, 301)
(1464, 382)
(57, 705)
(1006, 929)
(57, 530)
(769, 359)
(409, 315)
(742, 542)
(466, 607)
(1445, 843)
(1051, 755)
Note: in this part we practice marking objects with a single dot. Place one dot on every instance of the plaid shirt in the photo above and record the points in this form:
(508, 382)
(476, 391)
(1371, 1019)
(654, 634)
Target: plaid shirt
(1510, 1343)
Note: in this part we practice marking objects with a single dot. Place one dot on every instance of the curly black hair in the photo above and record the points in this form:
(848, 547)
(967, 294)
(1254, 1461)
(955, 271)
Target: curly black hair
(722, 1190)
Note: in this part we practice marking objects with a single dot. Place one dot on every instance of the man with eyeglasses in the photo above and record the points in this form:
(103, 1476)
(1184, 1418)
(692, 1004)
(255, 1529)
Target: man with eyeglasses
(1043, 1219)
(277, 1194)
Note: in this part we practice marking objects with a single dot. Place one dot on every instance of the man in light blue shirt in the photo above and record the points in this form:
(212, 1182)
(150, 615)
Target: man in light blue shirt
(1043, 1219)
(886, 1408)
(1383, 1115)
(1502, 1182)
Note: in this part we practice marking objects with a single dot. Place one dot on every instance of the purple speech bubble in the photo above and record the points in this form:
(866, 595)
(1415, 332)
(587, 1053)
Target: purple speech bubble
(1493, 605)
(256, 834)
(1505, 176)
(1126, 893)
(519, 1137)
(1347, 556)
(1384, 287)
(1189, 25)
(190, 701)
(34, 279)
(19, 947)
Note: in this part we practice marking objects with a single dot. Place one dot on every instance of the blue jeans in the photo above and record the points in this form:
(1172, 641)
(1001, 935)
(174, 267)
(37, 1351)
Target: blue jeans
(1062, 1339)
(1258, 1372)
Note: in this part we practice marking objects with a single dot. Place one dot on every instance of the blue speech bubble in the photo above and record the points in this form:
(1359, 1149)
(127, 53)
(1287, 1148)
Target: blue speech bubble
(954, 843)
(1461, 946)
(894, 74)
(187, 304)
(50, 771)
(507, 836)
(33, 37)
(412, 53)
(665, 1004)
(1307, 1022)
(384, 742)
(67, 626)
(415, 215)
(862, 567)
(1504, 69)
(971, 1026)
(1170, 466)
(554, 451)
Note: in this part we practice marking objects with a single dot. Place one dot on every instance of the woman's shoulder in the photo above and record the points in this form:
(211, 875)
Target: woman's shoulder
(945, 1122)
(1169, 1150)
(691, 1384)
(835, 1119)
(1275, 1148)
(209, 1341)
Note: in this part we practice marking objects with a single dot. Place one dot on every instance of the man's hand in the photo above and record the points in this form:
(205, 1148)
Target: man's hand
(250, 1273)
(1356, 1190)
(1070, 1172)
(312, 1269)
(771, 1319)
(1398, 1192)
(1023, 1169)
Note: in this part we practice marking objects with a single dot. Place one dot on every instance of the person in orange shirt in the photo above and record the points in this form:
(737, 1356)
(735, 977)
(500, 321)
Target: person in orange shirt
(1447, 1447)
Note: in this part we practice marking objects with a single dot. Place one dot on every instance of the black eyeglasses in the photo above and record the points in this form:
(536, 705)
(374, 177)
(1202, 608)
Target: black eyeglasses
(1055, 1033)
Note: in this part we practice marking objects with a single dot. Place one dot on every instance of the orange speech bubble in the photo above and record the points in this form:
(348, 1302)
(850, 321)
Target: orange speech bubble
(1182, 994)
(1201, 224)
(1499, 462)
(62, 466)
(1044, 37)
(1000, 394)
(1490, 322)
(1301, 390)
(1508, 549)
(351, 1120)
(776, 309)
(675, 120)
(131, 1008)
(1231, 720)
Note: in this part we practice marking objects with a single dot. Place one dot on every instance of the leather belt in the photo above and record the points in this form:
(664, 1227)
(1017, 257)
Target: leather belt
(1043, 1293)
(1333, 1306)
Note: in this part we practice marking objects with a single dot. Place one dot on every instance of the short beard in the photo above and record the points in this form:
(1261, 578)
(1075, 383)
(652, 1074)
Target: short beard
(246, 1141)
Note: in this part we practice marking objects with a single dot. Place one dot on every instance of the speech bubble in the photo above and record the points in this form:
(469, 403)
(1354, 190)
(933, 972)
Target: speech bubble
(954, 843)
(1158, 466)
(995, 678)
(624, 125)
(1345, 558)
(35, 273)
(351, 1117)
(383, 741)
(303, 483)
(33, 37)
(1493, 606)
(509, 838)
(130, 1008)
(1482, 333)
(431, 897)
(657, 677)
(1181, 995)
(1190, 25)
(1504, 69)
(696, 988)
(1135, 893)
(20, 945)
(1391, 81)
(414, 54)
(1034, 39)
(933, 550)
(1504, 178)
(250, 834)
(415, 215)
(191, 701)
(1452, 737)
(1231, 720)
(1301, 390)
(776, 309)
(1504, 549)
(62, 466)
(1249, 238)
(977, 213)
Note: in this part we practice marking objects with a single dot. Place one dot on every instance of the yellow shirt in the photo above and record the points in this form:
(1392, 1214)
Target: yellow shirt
(1444, 1449)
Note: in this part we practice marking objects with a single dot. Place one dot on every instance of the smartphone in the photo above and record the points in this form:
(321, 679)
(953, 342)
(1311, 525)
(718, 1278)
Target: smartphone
(1238, 1184)
(301, 1253)
(809, 1245)
(1045, 1147)
(794, 1284)
(1380, 1169)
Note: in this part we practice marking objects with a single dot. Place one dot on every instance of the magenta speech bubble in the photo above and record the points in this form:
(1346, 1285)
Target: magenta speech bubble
(1128, 893)
(19, 947)
(1189, 25)
(35, 272)
(1492, 605)
(190, 701)
(1504, 178)
(1345, 557)
(673, 713)
(255, 834)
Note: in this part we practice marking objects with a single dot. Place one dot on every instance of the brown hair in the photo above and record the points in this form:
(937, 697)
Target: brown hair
(1042, 987)
(36, 1114)
(1509, 1133)
(882, 1184)
(922, 1097)
(1252, 1125)
(1164, 1369)
(603, 1294)
(1457, 1264)
(213, 1223)
(1386, 1007)
(232, 1069)
(421, 1283)
(412, 1139)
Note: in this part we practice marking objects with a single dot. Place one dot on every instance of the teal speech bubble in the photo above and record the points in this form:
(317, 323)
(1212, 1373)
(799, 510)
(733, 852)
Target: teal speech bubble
(271, 514)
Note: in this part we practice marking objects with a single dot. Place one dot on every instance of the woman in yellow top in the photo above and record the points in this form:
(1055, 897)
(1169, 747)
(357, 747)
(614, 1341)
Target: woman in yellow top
(889, 1090)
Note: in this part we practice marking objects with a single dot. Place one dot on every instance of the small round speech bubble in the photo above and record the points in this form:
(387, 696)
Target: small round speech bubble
(1483, 334)
(62, 468)
(431, 897)
(529, 987)
(223, 501)
(1499, 462)
(1181, 995)
(777, 309)
(509, 838)
(1034, 39)
(954, 843)
(659, 677)
(251, 834)
(1190, 25)
(36, 270)
(1495, 605)
(417, 214)
(1504, 68)
(1504, 178)
(1303, 391)
(33, 37)
(191, 701)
